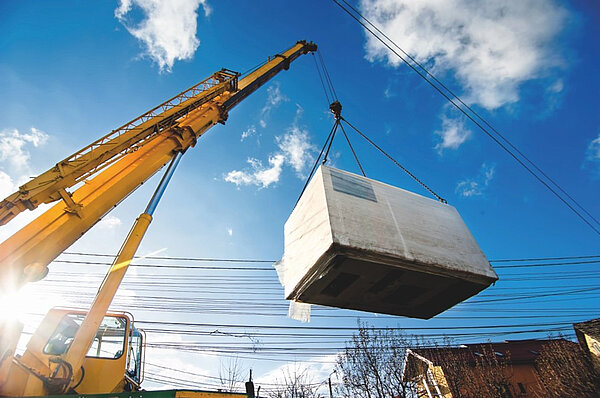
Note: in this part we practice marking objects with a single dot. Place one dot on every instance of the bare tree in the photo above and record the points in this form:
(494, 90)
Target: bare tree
(566, 371)
(295, 383)
(372, 363)
(231, 374)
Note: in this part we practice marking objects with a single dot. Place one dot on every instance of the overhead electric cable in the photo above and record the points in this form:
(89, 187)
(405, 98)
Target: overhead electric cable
(472, 118)
(218, 260)
(183, 258)
(504, 260)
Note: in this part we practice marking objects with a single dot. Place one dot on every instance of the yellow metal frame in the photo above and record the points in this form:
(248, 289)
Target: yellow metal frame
(116, 165)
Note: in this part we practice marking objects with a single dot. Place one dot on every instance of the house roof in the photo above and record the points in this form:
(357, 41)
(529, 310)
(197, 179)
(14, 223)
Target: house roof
(513, 351)
(591, 328)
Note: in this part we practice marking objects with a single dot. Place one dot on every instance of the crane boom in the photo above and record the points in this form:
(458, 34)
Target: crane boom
(102, 174)
(121, 161)
(48, 186)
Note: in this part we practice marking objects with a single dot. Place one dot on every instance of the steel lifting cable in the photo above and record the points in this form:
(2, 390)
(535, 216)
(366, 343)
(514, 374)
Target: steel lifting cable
(327, 77)
(316, 162)
(321, 78)
(335, 126)
(438, 197)
(352, 149)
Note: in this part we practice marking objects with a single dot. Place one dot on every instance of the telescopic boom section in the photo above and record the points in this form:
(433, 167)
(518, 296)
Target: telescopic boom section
(108, 170)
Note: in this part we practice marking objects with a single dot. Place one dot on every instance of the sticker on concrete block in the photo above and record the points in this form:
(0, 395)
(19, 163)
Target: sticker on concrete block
(352, 186)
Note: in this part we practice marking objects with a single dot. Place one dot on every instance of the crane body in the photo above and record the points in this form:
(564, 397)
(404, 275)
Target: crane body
(96, 351)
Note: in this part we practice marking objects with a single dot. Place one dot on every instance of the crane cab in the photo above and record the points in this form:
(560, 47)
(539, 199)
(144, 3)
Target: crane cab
(114, 361)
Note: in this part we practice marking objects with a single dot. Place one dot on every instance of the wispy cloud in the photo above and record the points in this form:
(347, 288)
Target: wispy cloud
(311, 371)
(109, 222)
(230, 231)
(15, 170)
(13, 151)
(296, 148)
(274, 98)
(491, 47)
(258, 174)
(593, 153)
(477, 186)
(249, 132)
(293, 149)
(167, 30)
(453, 134)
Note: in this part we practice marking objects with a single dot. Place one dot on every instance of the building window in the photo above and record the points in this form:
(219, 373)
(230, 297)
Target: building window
(504, 391)
(521, 388)
(596, 348)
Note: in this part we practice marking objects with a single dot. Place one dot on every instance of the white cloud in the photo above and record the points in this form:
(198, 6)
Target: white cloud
(168, 29)
(593, 153)
(296, 147)
(476, 186)
(312, 371)
(7, 185)
(13, 152)
(294, 150)
(594, 149)
(249, 132)
(229, 231)
(109, 222)
(274, 98)
(453, 134)
(557, 87)
(490, 46)
(258, 174)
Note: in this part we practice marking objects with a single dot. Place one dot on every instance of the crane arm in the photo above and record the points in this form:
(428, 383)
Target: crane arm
(50, 185)
(25, 255)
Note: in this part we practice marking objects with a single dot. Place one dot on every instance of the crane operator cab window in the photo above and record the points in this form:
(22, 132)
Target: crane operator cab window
(134, 361)
(108, 343)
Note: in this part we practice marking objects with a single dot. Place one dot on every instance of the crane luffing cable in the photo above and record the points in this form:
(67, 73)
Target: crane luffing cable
(475, 117)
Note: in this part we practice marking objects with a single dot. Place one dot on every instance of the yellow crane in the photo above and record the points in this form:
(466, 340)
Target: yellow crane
(97, 352)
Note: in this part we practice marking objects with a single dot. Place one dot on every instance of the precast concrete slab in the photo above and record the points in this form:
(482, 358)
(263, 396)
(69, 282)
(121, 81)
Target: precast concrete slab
(356, 243)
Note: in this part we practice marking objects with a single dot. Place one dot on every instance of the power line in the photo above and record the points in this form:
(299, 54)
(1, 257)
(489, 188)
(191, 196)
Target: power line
(249, 261)
(423, 75)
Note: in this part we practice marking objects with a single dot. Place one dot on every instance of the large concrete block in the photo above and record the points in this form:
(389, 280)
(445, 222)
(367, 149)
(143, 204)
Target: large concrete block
(356, 243)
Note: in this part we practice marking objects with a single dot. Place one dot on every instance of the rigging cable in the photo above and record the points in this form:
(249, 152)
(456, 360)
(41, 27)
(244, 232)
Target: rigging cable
(321, 78)
(352, 149)
(472, 118)
(438, 197)
(327, 77)
(316, 162)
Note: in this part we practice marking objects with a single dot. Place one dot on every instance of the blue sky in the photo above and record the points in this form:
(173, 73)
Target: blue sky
(72, 71)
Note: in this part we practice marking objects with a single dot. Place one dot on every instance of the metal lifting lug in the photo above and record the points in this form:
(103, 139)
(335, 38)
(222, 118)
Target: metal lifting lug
(336, 109)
